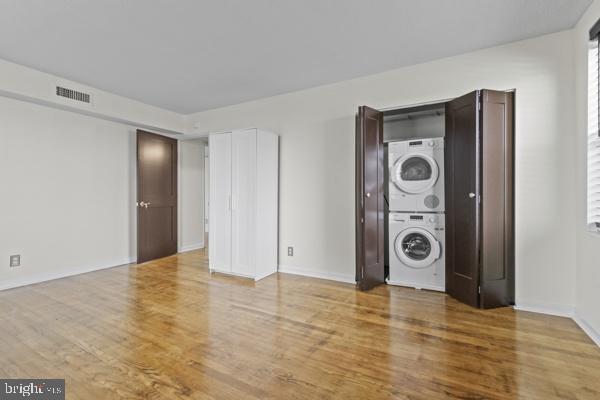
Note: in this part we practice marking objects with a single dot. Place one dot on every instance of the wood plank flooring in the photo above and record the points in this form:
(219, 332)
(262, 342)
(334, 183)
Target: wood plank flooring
(170, 330)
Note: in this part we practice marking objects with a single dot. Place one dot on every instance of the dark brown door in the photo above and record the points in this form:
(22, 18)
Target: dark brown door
(156, 196)
(370, 260)
(497, 248)
(462, 198)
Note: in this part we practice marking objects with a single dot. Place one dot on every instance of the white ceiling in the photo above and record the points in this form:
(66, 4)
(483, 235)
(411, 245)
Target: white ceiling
(193, 55)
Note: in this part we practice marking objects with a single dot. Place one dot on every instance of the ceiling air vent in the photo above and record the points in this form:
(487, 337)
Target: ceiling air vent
(72, 94)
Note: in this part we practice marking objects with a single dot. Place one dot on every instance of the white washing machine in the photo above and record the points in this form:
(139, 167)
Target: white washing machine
(416, 250)
(416, 179)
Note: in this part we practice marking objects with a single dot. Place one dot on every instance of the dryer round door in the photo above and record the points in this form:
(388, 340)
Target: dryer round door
(415, 173)
(417, 248)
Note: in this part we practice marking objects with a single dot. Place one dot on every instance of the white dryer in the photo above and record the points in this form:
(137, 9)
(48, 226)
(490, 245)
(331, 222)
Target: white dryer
(416, 175)
(416, 247)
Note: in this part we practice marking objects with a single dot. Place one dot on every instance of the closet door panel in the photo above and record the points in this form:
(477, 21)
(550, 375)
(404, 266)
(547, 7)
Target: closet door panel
(497, 254)
(219, 253)
(243, 164)
(462, 198)
(370, 236)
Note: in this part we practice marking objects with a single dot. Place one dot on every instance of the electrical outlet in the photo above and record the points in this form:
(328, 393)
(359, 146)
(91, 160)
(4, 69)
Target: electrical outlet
(290, 251)
(15, 261)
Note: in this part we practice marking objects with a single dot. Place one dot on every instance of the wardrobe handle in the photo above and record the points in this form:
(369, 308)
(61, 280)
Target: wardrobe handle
(230, 203)
(471, 195)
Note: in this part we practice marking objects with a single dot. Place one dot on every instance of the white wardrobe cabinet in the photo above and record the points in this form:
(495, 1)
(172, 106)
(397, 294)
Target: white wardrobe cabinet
(243, 202)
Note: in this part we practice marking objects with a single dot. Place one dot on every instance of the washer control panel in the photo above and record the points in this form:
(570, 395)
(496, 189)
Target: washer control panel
(419, 219)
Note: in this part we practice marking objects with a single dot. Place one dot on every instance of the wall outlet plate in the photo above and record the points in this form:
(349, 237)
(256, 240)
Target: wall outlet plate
(15, 260)
(290, 251)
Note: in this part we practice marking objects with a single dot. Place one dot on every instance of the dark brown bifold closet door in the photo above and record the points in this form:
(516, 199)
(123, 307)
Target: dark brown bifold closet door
(497, 171)
(370, 263)
(462, 163)
(480, 199)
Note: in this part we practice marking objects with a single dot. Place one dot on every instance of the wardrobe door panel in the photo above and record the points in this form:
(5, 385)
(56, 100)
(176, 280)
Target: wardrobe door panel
(219, 249)
(267, 184)
(243, 184)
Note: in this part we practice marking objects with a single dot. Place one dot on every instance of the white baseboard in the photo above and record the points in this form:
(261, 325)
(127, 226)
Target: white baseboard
(332, 276)
(191, 247)
(556, 310)
(50, 276)
(587, 328)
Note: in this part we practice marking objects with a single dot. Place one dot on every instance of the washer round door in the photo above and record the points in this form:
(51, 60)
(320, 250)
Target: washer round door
(417, 248)
(415, 173)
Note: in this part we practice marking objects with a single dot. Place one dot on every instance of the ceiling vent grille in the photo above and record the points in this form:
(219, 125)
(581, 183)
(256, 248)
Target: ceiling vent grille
(73, 94)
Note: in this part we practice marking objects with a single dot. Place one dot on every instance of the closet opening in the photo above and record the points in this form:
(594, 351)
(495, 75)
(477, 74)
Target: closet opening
(435, 197)
(405, 176)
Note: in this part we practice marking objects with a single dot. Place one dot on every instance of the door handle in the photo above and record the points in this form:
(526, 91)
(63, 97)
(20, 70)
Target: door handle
(471, 195)
(368, 195)
(145, 205)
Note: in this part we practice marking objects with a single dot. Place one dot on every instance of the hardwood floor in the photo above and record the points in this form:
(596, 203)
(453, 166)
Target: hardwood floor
(170, 330)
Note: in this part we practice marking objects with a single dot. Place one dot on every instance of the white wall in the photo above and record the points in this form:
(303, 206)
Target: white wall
(68, 175)
(588, 244)
(67, 203)
(317, 157)
(69, 191)
(191, 194)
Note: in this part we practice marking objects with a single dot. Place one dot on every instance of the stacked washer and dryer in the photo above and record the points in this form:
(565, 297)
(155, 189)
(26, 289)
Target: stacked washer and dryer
(416, 220)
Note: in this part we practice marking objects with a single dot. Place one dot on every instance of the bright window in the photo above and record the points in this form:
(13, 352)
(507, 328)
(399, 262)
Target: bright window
(593, 153)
